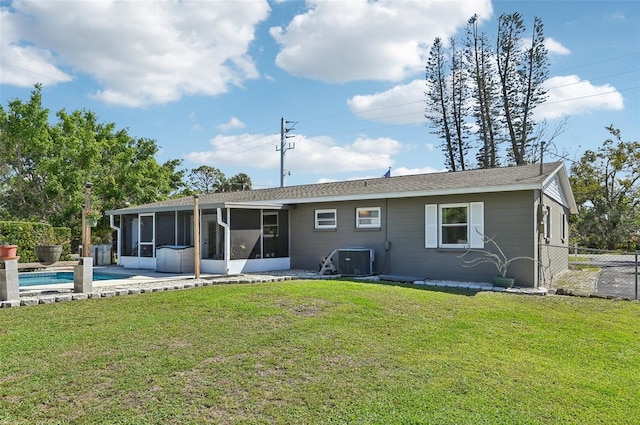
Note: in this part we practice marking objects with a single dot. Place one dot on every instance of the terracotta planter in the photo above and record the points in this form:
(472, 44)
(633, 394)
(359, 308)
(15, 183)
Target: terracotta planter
(48, 254)
(8, 251)
(504, 282)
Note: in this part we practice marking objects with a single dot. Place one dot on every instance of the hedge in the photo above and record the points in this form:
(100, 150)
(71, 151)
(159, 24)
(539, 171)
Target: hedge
(27, 235)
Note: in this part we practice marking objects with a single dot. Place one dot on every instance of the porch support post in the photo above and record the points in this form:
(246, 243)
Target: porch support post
(196, 235)
(227, 237)
(83, 271)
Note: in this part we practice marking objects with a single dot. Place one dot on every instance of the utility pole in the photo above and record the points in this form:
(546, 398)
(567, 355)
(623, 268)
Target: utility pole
(283, 147)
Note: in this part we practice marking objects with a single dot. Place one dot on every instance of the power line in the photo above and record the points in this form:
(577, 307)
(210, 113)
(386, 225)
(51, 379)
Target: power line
(600, 61)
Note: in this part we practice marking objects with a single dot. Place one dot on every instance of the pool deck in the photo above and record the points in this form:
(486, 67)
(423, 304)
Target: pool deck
(129, 277)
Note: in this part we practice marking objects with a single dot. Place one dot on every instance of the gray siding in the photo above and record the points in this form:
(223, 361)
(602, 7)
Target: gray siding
(309, 245)
(554, 252)
(510, 216)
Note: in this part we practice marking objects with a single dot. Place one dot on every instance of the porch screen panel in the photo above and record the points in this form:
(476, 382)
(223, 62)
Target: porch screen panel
(165, 228)
(129, 235)
(185, 228)
(146, 236)
(275, 227)
(245, 234)
(283, 234)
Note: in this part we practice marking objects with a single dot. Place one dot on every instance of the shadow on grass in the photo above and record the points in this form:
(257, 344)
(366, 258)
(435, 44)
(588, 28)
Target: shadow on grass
(445, 289)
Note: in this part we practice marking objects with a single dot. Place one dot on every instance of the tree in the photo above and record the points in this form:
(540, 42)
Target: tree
(239, 182)
(24, 139)
(206, 179)
(494, 91)
(47, 165)
(459, 100)
(485, 93)
(606, 185)
(522, 73)
(447, 96)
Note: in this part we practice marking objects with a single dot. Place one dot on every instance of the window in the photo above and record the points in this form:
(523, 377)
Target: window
(326, 219)
(547, 223)
(367, 218)
(565, 224)
(454, 225)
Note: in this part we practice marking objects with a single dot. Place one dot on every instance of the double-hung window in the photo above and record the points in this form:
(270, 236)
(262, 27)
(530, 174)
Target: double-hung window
(326, 219)
(368, 218)
(454, 225)
(458, 225)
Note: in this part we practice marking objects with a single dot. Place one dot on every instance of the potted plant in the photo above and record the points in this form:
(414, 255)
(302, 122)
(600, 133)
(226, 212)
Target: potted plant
(8, 251)
(49, 248)
(498, 259)
(92, 218)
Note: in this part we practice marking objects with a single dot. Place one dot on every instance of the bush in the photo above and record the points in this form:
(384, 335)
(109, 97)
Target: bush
(27, 235)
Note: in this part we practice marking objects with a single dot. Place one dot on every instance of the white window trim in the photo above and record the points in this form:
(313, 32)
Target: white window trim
(375, 220)
(565, 226)
(321, 226)
(441, 225)
(475, 225)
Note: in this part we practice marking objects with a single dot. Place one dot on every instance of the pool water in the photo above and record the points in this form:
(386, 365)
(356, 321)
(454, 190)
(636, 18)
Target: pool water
(52, 278)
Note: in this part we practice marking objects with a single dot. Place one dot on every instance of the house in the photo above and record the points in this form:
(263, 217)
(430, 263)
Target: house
(416, 225)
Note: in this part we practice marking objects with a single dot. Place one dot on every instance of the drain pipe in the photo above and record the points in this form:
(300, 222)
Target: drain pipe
(227, 238)
(117, 229)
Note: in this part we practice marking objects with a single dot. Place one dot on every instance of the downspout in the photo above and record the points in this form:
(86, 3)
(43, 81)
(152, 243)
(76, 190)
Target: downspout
(540, 234)
(117, 229)
(227, 238)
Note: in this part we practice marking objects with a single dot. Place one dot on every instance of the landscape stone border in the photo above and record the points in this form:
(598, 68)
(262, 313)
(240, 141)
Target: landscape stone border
(30, 299)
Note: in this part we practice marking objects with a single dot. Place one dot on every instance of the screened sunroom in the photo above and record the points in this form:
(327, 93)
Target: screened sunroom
(232, 238)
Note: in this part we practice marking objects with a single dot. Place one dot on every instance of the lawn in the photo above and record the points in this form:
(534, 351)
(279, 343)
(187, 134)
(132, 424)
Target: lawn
(315, 352)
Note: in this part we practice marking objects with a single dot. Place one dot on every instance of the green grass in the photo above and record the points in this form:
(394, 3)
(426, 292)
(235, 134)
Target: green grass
(321, 352)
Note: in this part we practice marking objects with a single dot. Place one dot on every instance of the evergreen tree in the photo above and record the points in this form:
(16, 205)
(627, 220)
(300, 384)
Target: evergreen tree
(439, 101)
(478, 55)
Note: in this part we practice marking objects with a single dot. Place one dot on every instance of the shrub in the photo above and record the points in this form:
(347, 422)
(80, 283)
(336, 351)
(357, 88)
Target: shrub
(28, 235)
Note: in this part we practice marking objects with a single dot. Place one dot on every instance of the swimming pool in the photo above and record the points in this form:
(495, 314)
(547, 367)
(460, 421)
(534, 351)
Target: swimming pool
(52, 278)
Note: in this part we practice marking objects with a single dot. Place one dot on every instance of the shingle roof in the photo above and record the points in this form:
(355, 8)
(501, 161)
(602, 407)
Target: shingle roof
(472, 181)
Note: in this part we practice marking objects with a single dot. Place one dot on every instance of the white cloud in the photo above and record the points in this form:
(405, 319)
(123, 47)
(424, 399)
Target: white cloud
(24, 64)
(310, 155)
(403, 171)
(402, 104)
(341, 41)
(142, 53)
(570, 95)
(233, 123)
(555, 47)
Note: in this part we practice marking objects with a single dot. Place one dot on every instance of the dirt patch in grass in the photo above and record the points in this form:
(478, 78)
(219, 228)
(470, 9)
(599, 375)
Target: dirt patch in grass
(306, 308)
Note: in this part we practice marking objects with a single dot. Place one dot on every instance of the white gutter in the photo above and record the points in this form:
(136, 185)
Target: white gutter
(227, 237)
(117, 229)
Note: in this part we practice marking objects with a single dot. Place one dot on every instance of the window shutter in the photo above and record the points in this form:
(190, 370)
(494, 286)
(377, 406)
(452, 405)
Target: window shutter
(431, 226)
(476, 221)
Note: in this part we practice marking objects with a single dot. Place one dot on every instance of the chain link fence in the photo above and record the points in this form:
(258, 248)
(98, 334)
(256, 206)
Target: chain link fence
(590, 271)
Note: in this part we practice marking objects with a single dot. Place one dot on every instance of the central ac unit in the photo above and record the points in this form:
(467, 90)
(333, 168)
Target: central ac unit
(355, 261)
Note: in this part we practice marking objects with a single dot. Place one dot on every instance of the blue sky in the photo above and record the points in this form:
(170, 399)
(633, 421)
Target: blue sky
(211, 80)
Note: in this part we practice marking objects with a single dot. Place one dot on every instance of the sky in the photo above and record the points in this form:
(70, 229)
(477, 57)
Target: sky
(211, 80)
